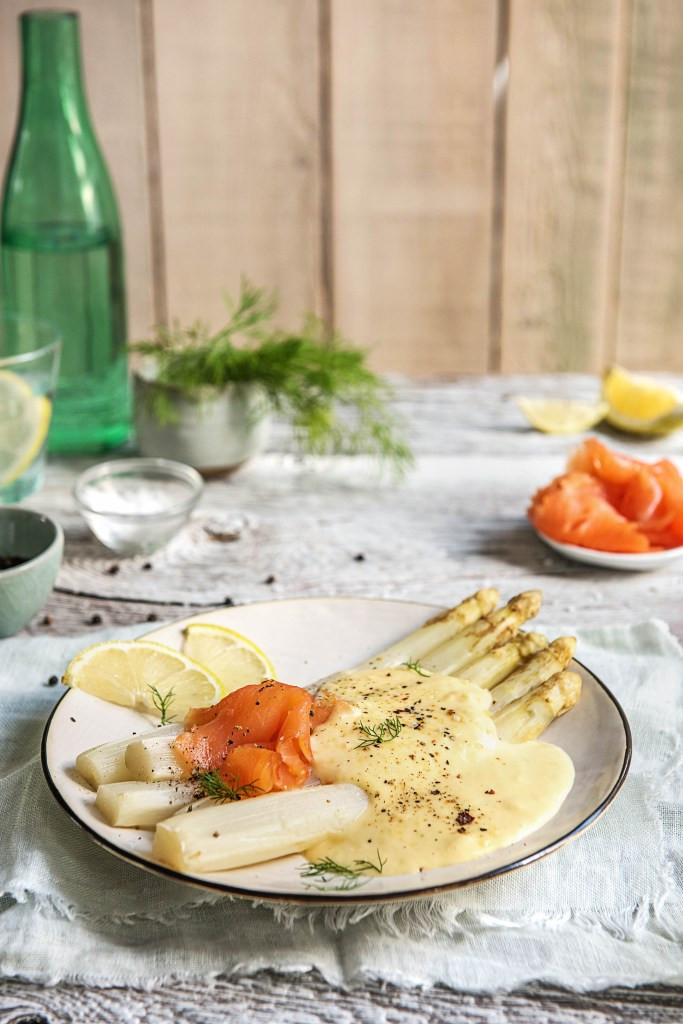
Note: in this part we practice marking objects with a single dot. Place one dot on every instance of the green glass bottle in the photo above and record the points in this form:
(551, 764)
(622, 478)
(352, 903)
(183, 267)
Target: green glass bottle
(62, 254)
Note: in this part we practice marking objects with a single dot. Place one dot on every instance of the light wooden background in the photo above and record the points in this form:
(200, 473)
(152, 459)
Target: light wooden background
(459, 185)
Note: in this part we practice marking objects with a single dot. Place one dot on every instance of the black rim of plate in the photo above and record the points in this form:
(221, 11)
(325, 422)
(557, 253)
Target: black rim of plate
(354, 897)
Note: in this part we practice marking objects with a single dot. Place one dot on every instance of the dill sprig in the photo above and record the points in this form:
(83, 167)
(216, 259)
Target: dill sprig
(384, 732)
(162, 702)
(312, 377)
(327, 871)
(219, 789)
(416, 667)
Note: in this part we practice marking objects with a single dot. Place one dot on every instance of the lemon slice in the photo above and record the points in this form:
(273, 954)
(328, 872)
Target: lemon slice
(562, 415)
(233, 657)
(24, 422)
(641, 405)
(128, 672)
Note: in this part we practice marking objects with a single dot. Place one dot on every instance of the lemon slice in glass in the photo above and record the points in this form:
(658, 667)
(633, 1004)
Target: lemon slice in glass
(235, 659)
(641, 405)
(24, 422)
(137, 673)
(562, 415)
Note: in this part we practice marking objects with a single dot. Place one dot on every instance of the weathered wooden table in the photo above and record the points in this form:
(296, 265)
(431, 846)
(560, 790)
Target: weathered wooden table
(282, 527)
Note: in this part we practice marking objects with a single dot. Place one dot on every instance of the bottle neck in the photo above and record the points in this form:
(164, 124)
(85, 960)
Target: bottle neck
(52, 77)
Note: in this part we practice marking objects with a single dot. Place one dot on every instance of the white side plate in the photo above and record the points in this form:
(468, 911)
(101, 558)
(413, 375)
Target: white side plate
(642, 562)
(308, 639)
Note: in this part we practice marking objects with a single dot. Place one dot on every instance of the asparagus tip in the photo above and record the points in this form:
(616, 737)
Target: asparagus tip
(528, 602)
(563, 647)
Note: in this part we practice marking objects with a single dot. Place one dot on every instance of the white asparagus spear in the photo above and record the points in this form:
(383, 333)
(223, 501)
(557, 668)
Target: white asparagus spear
(526, 718)
(481, 637)
(434, 632)
(140, 804)
(153, 759)
(215, 837)
(107, 762)
(536, 670)
(492, 668)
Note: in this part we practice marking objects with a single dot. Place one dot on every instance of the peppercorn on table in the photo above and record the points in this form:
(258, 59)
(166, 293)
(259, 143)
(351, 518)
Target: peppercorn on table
(285, 528)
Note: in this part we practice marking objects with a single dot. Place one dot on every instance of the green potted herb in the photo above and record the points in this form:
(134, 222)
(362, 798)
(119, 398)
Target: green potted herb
(204, 398)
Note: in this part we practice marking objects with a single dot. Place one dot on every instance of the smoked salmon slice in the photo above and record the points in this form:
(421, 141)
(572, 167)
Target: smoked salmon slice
(612, 502)
(596, 458)
(258, 736)
(574, 509)
(258, 770)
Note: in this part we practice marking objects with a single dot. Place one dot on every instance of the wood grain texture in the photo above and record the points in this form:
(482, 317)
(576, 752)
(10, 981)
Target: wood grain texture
(305, 522)
(110, 40)
(353, 155)
(269, 997)
(240, 160)
(456, 523)
(327, 306)
(563, 131)
(651, 299)
(412, 120)
(153, 151)
(501, 81)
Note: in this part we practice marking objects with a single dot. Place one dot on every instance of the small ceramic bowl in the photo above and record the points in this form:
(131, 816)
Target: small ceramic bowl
(216, 432)
(31, 547)
(135, 506)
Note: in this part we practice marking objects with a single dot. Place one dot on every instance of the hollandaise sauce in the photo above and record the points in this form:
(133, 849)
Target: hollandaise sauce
(442, 788)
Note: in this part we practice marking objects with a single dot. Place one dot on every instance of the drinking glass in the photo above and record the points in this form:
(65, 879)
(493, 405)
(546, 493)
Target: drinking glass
(29, 363)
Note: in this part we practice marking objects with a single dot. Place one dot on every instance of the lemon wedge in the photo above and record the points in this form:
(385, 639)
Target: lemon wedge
(641, 405)
(24, 422)
(128, 672)
(235, 659)
(562, 415)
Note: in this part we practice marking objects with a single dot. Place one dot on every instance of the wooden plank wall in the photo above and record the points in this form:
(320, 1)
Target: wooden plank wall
(560, 172)
(412, 124)
(458, 185)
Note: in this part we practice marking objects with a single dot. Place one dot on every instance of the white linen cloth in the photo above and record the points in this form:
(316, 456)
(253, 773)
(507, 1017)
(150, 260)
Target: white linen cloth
(605, 910)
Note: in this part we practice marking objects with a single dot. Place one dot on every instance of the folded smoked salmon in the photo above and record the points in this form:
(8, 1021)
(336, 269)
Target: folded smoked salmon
(611, 502)
(258, 737)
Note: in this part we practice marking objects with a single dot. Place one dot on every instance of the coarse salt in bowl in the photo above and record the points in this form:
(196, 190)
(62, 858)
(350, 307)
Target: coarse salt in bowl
(135, 506)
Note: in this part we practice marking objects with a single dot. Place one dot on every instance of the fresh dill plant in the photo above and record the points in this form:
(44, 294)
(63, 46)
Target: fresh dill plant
(314, 378)
(331, 876)
(383, 733)
(162, 702)
(216, 788)
(416, 667)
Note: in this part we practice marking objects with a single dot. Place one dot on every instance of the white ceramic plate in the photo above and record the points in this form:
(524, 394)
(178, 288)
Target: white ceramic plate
(646, 561)
(308, 639)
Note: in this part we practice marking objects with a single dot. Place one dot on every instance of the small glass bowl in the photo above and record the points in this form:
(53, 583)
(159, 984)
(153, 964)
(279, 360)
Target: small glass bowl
(135, 506)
